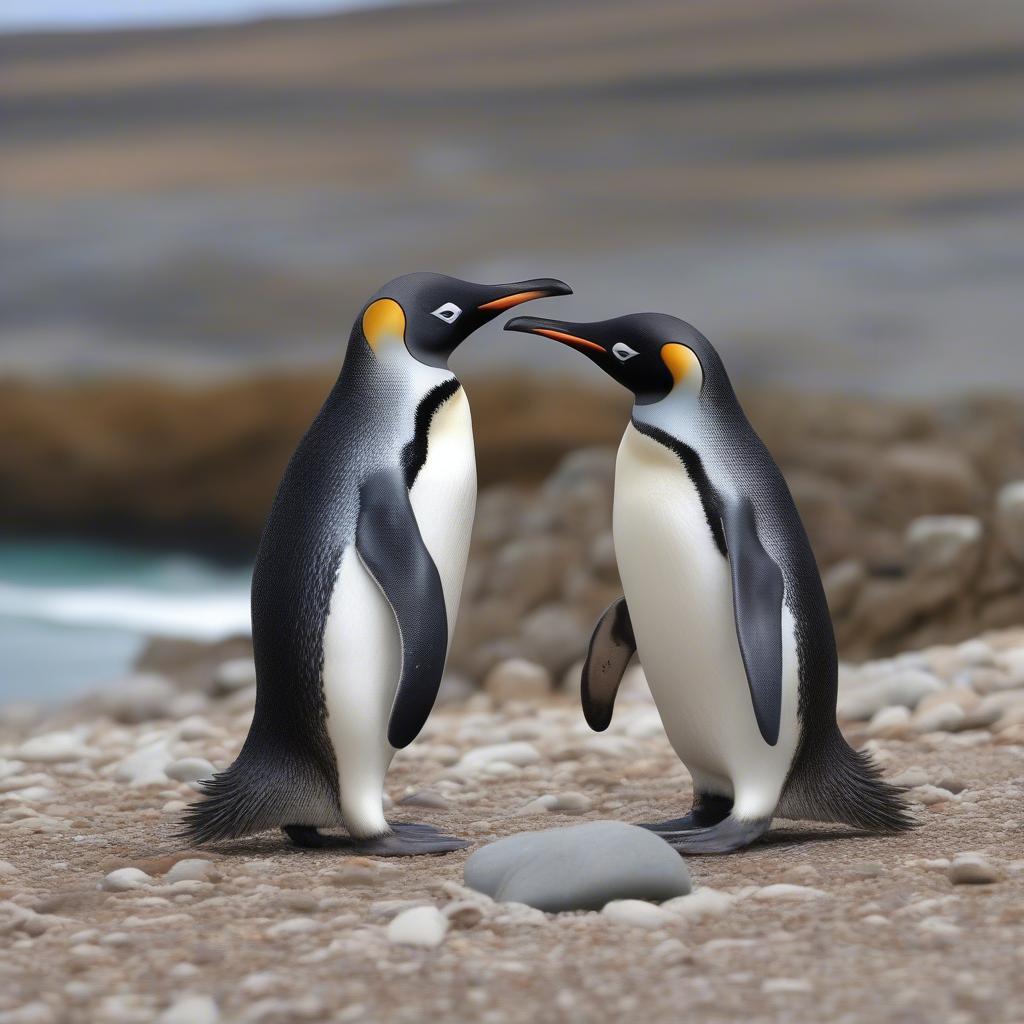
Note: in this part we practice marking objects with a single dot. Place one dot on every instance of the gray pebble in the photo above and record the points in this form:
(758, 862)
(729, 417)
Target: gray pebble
(578, 868)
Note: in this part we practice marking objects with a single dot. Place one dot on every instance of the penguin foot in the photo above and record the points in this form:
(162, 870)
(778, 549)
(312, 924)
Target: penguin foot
(707, 810)
(405, 840)
(729, 834)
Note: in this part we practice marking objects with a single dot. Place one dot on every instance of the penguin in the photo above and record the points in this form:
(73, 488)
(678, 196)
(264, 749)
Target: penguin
(723, 602)
(357, 579)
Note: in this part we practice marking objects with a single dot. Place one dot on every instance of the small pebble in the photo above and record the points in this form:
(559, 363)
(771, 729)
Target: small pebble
(425, 927)
(189, 769)
(51, 748)
(293, 926)
(972, 869)
(124, 879)
(703, 902)
(571, 803)
(785, 891)
(929, 795)
(192, 869)
(636, 914)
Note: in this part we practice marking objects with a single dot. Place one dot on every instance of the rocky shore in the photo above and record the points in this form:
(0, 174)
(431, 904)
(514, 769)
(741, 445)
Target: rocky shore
(915, 512)
(106, 918)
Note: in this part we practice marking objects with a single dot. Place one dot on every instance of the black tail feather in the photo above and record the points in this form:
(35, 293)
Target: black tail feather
(837, 783)
(256, 793)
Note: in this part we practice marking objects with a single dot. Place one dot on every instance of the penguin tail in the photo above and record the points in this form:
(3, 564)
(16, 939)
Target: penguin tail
(233, 807)
(840, 784)
(258, 792)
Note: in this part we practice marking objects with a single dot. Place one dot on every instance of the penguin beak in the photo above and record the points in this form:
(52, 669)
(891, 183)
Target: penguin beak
(524, 291)
(556, 330)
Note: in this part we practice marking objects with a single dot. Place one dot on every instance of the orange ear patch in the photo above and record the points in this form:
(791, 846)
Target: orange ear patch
(681, 361)
(383, 319)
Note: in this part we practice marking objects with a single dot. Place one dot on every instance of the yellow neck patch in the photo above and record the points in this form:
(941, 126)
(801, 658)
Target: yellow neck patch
(383, 322)
(682, 363)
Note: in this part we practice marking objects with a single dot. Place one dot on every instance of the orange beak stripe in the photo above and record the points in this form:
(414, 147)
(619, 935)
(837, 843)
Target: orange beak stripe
(569, 339)
(512, 300)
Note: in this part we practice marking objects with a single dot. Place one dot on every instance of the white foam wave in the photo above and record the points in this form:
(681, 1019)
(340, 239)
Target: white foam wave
(194, 616)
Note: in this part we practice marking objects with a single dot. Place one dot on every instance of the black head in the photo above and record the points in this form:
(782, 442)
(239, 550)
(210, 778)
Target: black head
(652, 354)
(433, 314)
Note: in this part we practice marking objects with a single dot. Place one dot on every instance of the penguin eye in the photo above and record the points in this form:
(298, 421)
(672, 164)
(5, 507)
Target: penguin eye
(448, 312)
(623, 352)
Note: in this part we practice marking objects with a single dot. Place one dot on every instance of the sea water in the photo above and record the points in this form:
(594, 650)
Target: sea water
(75, 615)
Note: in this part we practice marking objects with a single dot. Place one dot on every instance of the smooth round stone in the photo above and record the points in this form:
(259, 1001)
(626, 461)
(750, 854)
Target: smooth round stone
(636, 914)
(972, 869)
(189, 769)
(419, 926)
(889, 722)
(571, 803)
(788, 891)
(582, 867)
(124, 879)
(51, 748)
(192, 869)
(700, 903)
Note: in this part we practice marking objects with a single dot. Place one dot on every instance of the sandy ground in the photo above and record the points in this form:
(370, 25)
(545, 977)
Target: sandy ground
(279, 934)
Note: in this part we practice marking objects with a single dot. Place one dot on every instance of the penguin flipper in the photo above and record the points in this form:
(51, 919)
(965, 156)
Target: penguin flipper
(391, 547)
(611, 648)
(757, 589)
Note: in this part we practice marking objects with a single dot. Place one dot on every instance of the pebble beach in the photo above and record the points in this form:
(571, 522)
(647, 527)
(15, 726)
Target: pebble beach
(106, 917)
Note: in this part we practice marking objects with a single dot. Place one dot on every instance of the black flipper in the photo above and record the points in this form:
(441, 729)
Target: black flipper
(611, 647)
(757, 589)
(389, 543)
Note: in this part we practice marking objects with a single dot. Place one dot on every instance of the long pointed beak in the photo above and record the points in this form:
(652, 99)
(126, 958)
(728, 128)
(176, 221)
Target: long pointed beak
(556, 330)
(524, 291)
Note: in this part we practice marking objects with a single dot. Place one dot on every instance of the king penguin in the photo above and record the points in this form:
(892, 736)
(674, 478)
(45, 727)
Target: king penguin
(357, 579)
(723, 603)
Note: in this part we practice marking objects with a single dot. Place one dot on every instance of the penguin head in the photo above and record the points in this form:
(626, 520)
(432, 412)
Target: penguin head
(651, 354)
(431, 314)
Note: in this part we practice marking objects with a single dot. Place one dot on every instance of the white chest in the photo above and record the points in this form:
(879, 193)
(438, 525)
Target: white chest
(444, 496)
(678, 588)
(361, 645)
